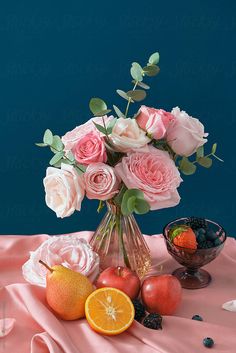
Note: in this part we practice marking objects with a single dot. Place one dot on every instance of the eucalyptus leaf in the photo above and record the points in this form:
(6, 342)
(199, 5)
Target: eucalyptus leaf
(142, 85)
(70, 156)
(41, 144)
(122, 94)
(97, 105)
(130, 193)
(48, 137)
(100, 128)
(137, 95)
(187, 167)
(118, 112)
(131, 204)
(141, 206)
(214, 147)
(56, 158)
(205, 162)
(154, 58)
(151, 70)
(110, 126)
(136, 72)
(200, 152)
(57, 143)
(103, 112)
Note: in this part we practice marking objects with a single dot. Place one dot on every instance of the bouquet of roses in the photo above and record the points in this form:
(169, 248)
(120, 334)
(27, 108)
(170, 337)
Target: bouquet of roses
(133, 161)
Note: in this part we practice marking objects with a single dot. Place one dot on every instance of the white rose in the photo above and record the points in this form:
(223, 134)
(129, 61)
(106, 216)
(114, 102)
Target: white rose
(127, 136)
(64, 190)
(185, 133)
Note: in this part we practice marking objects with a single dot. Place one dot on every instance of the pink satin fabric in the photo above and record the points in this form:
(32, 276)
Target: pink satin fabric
(38, 330)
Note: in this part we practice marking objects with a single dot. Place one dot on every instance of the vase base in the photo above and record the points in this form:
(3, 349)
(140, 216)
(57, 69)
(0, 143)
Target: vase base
(195, 280)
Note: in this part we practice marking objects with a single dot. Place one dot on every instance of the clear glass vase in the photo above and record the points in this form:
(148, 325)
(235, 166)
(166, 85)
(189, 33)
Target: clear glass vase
(119, 242)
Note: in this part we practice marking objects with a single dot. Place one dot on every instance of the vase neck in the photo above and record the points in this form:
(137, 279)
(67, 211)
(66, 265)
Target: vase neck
(113, 208)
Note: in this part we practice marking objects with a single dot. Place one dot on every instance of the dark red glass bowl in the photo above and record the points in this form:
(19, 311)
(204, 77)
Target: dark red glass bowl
(191, 276)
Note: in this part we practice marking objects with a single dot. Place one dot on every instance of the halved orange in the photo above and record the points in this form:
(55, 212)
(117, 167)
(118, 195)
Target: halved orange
(109, 311)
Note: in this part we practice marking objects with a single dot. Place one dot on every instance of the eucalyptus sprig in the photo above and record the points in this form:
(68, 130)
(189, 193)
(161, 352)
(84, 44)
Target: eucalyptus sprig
(188, 167)
(57, 147)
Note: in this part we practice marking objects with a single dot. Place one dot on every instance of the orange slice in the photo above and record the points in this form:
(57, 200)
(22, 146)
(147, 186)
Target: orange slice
(109, 311)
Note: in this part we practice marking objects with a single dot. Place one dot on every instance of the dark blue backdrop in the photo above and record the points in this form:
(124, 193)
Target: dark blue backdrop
(56, 55)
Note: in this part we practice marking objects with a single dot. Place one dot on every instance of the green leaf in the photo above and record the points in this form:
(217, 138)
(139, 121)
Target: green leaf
(97, 105)
(131, 204)
(57, 143)
(56, 158)
(214, 147)
(100, 128)
(205, 162)
(142, 85)
(40, 144)
(151, 70)
(118, 112)
(186, 166)
(123, 94)
(103, 112)
(130, 193)
(48, 137)
(70, 156)
(154, 58)
(136, 72)
(200, 152)
(80, 169)
(141, 206)
(110, 126)
(137, 95)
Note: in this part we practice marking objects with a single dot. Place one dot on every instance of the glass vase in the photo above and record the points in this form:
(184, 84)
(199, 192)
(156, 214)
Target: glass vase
(119, 242)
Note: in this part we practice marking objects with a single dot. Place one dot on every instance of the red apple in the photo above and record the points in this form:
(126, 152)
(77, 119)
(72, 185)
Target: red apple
(161, 294)
(121, 278)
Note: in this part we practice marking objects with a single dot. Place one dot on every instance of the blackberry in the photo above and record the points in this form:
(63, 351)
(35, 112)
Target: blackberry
(206, 244)
(208, 342)
(139, 310)
(153, 321)
(196, 223)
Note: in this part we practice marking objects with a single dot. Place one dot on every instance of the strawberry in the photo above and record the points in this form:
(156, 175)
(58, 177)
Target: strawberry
(184, 237)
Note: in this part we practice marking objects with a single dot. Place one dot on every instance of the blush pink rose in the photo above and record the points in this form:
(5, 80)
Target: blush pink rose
(72, 137)
(154, 121)
(126, 135)
(70, 251)
(154, 173)
(101, 182)
(90, 148)
(185, 133)
(64, 190)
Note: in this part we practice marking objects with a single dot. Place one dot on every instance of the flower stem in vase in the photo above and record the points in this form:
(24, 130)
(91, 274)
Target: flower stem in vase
(122, 245)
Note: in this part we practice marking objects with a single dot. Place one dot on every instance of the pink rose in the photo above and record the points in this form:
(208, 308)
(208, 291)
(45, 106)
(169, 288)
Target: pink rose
(100, 181)
(90, 148)
(70, 251)
(127, 136)
(185, 133)
(72, 137)
(154, 173)
(154, 121)
(64, 190)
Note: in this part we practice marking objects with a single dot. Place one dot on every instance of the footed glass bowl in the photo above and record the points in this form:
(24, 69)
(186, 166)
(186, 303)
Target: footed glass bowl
(211, 238)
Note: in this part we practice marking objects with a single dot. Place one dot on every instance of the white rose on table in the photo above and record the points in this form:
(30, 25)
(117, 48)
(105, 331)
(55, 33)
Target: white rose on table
(185, 133)
(64, 190)
(127, 136)
(70, 251)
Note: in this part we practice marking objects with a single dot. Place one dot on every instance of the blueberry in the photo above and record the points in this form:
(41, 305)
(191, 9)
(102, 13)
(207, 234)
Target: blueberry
(208, 342)
(217, 242)
(200, 238)
(211, 235)
(202, 231)
(197, 317)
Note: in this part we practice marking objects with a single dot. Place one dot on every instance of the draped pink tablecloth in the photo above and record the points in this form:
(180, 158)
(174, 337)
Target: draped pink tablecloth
(37, 330)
